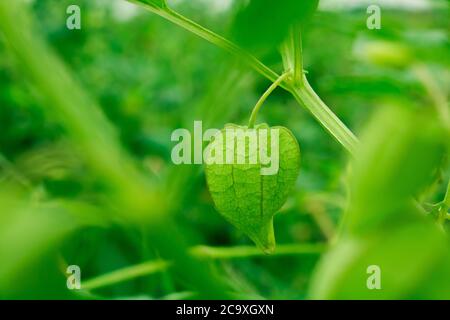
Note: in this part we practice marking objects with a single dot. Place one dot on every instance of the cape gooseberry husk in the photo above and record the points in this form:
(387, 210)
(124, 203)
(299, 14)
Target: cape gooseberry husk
(244, 196)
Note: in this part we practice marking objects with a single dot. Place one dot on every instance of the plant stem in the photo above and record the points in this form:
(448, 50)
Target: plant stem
(201, 251)
(211, 37)
(263, 98)
(447, 196)
(251, 251)
(125, 274)
(296, 37)
(293, 56)
(305, 95)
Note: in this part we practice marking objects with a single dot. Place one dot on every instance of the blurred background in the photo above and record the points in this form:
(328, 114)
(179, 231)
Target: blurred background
(99, 190)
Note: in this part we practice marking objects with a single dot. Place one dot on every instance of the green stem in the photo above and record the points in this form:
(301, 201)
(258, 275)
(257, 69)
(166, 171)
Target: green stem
(305, 96)
(264, 97)
(211, 37)
(86, 124)
(206, 252)
(124, 274)
(293, 56)
(447, 196)
(252, 251)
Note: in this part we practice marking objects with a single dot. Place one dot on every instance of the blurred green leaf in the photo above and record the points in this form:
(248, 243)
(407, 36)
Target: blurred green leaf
(398, 158)
(265, 24)
(29, 235)
(86, 124)
(406, 257)
(399, 152)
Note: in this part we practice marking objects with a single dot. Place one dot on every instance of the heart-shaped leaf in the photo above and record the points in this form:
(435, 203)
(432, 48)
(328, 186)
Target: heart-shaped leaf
(249, 194)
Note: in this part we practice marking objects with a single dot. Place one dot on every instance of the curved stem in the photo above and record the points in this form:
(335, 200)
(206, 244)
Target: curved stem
(125, 274)
(208, 35)
(251, 122)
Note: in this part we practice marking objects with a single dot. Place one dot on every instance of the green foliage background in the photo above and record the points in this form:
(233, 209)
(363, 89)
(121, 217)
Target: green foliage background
(86, 177)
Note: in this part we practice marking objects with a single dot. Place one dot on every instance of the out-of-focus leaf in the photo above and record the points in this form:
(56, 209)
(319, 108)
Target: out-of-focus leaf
(265, 23)
(406, 257)
(86, 124)
(29, 234)
(383, 53)
(399, 154)
(437, 284)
